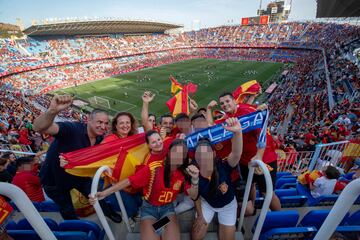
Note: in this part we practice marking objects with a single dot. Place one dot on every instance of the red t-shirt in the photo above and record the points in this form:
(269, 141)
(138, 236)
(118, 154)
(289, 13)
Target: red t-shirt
(110, 138)
(250, 139)
(151, 179)
(29, 182)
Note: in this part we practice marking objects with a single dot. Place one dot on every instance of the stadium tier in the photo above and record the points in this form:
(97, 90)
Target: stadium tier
(310, 82)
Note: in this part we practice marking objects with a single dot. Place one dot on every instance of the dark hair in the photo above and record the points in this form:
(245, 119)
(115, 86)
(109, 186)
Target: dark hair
(332, 173)
(3, 161)
(6, 155)
(182, 167)
(214, 182)
(132, 120)
(96, 111)
(148, 134)
(196, 116)
(201, 109)
(166, 116)
(150, 114)
(181, 116)
(23, 160)
(226, 94)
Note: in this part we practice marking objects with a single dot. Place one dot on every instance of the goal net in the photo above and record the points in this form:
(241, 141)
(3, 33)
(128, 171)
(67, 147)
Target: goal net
(99, 102)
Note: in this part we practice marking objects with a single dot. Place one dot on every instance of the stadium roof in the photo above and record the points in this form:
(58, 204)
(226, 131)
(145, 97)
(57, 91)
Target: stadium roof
(99, 27)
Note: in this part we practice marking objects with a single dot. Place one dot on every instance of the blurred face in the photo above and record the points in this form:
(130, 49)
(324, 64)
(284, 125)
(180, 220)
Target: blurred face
(168, 123)
(227, 104)
(204, 157)
(123, 125)
(177, 154)
(155, 143)
(152, 121)
(199, 123)
(99, 124)
(12, 158)
(184, 125)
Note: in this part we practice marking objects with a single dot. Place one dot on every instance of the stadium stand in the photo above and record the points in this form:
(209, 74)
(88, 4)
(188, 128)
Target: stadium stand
(302, 115)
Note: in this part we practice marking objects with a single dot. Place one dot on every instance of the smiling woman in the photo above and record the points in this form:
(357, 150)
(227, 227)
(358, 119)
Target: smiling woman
(123, 125)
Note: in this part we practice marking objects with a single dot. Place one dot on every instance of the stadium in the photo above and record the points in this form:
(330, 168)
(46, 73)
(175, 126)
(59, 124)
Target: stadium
(86, 105)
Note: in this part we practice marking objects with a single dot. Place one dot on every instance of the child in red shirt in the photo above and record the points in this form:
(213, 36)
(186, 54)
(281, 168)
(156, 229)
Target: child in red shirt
(28, 180)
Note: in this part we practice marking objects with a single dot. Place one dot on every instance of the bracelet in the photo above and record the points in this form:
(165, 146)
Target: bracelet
(195, 183)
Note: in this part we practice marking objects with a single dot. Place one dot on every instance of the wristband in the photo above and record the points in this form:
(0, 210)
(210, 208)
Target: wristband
(195, 183)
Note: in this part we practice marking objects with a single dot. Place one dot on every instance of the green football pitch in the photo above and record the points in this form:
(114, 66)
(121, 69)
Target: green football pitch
(212, 76)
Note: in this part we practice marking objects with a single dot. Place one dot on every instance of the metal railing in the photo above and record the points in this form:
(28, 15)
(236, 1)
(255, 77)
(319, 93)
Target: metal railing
(269, 192)
(339, 210)
(295, 162)
(97, 207)
(15, 147)
(27, 208)
(328, 154)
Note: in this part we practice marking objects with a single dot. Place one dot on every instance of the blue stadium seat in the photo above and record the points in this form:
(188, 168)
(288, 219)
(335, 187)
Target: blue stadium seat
(315, 218)
(45, 206)
(23, 224)
(282, 183)
(275, 227)
(11, 225)
(354, 219)
(282, 174)
(326, 200)
(32, 235)
(82, 225)
(286, 192)
(276, 220)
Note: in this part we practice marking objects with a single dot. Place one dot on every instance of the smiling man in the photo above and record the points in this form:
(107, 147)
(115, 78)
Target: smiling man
(69, 136)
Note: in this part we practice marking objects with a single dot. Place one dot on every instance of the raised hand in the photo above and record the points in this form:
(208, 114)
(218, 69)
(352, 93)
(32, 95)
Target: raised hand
(233, 125)
(212, 104)
(60, 102)
(193, 105)
(148, 96)
(163, 132)
(193, 171)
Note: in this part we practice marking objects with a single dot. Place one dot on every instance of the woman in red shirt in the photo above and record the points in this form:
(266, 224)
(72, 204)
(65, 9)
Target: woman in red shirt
(160, 188)
(123, 125)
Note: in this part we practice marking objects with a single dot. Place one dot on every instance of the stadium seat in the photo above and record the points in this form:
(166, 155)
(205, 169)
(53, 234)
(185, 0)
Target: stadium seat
(282, 174)
(311, 201)
(23, 224)
(276, 228)
(354, 219)
(82, 225)
(283, 183)
(315, 218)
(45, 206)
(11, 225)
(276, 220)
(32, 235)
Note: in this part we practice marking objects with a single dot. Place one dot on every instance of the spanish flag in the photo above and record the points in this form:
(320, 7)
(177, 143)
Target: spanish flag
(179, 103)
(251, 87)
(175, 85)
(122, 156)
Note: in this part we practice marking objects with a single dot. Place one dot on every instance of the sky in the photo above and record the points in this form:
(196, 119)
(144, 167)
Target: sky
(205, 13)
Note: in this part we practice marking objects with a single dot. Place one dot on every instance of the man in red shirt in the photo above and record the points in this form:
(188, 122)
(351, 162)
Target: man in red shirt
(28, 180)
(250, 149)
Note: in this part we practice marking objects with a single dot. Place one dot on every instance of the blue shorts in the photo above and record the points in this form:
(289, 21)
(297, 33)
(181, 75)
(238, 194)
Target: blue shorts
(148, 211)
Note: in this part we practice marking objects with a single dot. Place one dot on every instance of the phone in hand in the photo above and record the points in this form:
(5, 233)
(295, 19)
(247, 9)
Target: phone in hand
(161, 223)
